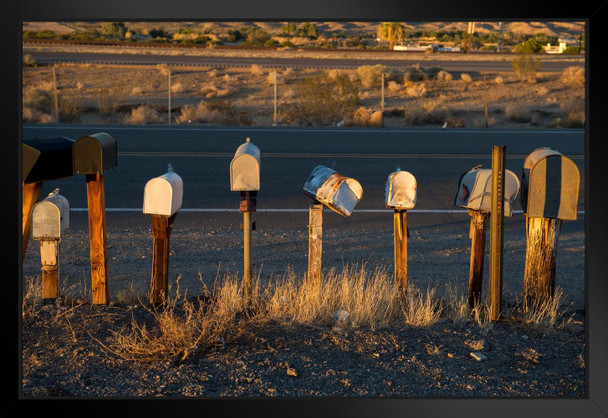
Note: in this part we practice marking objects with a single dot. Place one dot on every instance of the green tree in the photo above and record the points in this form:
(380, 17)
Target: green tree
(528, 47)
(391, 32)
(114, 29)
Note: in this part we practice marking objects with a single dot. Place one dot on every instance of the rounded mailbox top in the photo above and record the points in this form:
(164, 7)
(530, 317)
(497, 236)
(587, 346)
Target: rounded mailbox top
(401, 190)
(163, 195)
(538, 154)
(339, 193)
(50, 217)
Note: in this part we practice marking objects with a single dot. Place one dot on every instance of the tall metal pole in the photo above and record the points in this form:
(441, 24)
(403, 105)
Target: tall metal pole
(496, 230)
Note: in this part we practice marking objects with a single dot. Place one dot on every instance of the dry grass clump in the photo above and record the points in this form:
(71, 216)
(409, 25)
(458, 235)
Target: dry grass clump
(364, 117)
(143, 115)
(543, 313)
(370, 75)
(415, 90)
(465, 78)
(207, 112)
(177, 87)
(421, 310)
(573, 76)
(256, 69)
(518, 113)
(444, 75)
(428, 112)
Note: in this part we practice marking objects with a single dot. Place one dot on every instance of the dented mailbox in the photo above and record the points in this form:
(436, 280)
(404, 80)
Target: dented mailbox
(94, 154)
(475, 190)
(400, 192)
(339, 193)
(47, 159)
(245, 168)
(50, 217)
(163, 195)
(550, 185)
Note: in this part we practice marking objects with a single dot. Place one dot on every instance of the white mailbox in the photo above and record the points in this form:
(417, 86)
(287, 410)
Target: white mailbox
(400, 192)
(475, 190)
(50, 217)
(339, 193)
(245, 168)
(163, 195)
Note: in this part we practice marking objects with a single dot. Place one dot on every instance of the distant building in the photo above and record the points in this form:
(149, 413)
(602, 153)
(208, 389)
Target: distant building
(551, 49)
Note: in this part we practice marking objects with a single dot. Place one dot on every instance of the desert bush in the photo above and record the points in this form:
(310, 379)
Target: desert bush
(465, 78)
(29, 61)
(429, 112)
(413, 74)
(321, 100)
(543, 313)
(364, 117)
(256, 69)
(444, 75)
(518, 113)
(421, 310)
(217, 111)
(415, 90)
(526, 67)
(499, 80)
(370, 75)
(38, 99)
(177, 87)
(143, 115)
(574, 113)
(573, 76)
(394, 86)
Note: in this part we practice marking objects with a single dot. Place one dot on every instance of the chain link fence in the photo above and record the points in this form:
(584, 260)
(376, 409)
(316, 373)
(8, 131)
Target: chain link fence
(371, 95)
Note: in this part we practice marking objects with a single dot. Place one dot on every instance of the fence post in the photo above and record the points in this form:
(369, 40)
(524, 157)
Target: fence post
(485, 101)
(382, 95)
(496, 229)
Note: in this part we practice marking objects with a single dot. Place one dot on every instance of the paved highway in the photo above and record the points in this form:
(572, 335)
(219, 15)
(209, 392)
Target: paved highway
(548, 65)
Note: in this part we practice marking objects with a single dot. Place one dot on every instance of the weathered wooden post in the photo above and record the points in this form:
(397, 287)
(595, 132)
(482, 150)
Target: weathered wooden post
(50, 219)
(93, 156)
(400, 195)
(475, 193)
(162, 199)
(496, 231)
(550, 189)
(245, 170)
(339, 193)
(44, 159)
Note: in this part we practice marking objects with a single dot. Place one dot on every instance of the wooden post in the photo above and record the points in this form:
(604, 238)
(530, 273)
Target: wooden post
(401, 234)
(49, 254)
(97, 238)
(477, 234)
(315, 242)
(274, 120)
(496, 229)
(542, 235)
(159, 283)
(247, 255)
(382, 95)
(31, 194)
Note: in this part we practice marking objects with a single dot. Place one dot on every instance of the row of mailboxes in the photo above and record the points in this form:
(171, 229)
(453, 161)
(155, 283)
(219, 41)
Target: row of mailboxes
(47, 159)
(549, 187)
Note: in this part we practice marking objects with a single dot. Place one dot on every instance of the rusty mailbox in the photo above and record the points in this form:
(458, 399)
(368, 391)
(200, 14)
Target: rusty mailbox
(475, 190)
(339, 193)
(50, 217)
(401, 190)
(47, 159)
(94, 154)
(245, 168)
(163, 194)
(550, 185)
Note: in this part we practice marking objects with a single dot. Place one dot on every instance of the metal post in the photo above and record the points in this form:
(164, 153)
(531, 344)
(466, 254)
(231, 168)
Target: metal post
(496, 230)
(382, 95)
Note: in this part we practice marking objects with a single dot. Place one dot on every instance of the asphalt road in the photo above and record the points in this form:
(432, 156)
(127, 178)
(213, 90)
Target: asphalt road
(548, 64)
(201, 156)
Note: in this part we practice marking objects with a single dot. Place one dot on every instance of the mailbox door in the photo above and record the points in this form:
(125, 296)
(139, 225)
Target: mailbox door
(94, 154)
(553, 188)
(50, 217)
(163, 195)
(244, 173)
(400, 191)
(47, 159)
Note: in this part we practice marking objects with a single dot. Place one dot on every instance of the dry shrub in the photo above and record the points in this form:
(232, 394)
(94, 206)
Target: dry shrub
(143, 115)
(544, 313)
(256, 69)
(207, 112)
(211, 90)
(415, 90)
(421, 310)
(444, 75)
(573, 76)
(414, 73)
(136, 91)
(394, 86)
(499, 80)
(288, 72)
(526, 67)
(429, 112)
(272, 78)
(163, 69)
(518, 113)
(542, 91)
(465, 78)
(364, 117)
(574, 113)
(455, 122)
(370, 75)
(177, 87)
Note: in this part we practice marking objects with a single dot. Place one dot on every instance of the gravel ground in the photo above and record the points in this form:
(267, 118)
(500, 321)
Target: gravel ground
(62, 354)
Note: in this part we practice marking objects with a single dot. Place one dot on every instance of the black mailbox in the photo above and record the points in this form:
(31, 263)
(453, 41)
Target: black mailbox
(47, 159)
(94, 154)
